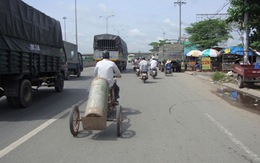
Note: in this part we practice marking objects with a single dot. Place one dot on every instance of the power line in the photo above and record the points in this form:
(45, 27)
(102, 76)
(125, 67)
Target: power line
(200, 17)
(220, 9)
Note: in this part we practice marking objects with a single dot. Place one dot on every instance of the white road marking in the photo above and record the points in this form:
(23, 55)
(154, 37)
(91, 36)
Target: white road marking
(233, 139)
(26, 137)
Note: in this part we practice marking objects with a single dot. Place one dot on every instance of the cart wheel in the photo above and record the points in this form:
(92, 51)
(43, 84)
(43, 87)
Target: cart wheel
(240, 81)
(119, 120)
(74, 120)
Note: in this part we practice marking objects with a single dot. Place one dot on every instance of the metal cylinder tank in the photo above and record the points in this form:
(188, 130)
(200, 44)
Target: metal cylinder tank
(98, 98)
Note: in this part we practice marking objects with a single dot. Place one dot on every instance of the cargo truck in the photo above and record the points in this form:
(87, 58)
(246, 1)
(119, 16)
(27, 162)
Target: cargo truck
(115, 45)
(31, 52)
(74, 60)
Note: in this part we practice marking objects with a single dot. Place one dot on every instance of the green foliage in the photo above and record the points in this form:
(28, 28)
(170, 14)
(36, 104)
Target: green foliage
(157, 44)
(236, 12)
(208, 33)
(217, 76)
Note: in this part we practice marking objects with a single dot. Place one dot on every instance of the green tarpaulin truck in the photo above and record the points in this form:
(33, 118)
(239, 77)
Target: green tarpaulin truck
(31, 52)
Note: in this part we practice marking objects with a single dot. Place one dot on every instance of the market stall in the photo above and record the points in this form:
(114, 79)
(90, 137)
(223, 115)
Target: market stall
(210, 60)
(234, 54)
(192, 58)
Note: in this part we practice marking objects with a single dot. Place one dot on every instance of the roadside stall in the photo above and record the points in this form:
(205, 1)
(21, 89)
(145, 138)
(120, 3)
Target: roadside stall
(247, 72)
(234, 54)
(210, 60)
(192, 58)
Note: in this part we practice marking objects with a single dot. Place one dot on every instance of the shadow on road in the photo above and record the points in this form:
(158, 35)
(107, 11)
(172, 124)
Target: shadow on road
(110, 133)
(46, 104)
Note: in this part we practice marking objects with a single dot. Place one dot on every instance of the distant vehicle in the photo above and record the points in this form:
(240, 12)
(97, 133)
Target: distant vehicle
(31, 52)
(74, 60)
(130, 58)
(115, 45)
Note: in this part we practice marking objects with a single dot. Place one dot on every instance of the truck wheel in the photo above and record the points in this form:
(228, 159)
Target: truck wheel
(78, 73)
(25, 94)
(59, 84)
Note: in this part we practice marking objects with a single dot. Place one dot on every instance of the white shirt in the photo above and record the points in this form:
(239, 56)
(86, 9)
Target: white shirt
(143, 65)
(106, 69)
(153, 63)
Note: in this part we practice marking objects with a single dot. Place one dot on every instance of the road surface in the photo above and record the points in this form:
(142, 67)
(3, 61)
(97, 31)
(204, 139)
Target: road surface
(175, 118)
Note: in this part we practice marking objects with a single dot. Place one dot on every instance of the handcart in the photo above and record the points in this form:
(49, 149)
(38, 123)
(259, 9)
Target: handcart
(100, 103)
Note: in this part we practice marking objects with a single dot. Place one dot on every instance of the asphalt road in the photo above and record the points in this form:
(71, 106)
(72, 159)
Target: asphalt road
(169, 119)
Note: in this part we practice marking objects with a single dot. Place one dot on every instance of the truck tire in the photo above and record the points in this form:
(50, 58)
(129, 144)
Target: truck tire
(24, 98)
(78, 72)
(59, 84)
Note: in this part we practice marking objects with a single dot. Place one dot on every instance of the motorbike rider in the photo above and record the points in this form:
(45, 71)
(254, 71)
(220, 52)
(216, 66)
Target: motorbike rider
(143, 66)
(136, 63)
(168, 66)
(107, 69)
(153, 64)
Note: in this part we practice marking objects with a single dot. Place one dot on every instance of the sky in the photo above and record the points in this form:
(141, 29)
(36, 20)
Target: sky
(137, 22)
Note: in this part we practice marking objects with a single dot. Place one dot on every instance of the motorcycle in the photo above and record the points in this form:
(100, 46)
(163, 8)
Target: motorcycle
(144, 76)
(154, 72)
(135, 66)
(137, 71)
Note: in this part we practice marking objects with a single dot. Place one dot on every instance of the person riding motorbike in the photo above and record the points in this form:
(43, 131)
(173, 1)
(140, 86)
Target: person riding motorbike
(168, 67)
(107, 69)
(153, 64)
(136, 63)
(143, 66)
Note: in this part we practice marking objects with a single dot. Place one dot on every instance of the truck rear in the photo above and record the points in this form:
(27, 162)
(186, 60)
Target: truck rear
(31, 52)
(74, 60)
(246, 74)
(115, 45)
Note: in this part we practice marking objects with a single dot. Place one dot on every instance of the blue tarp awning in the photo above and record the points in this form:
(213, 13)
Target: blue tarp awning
(236, 50)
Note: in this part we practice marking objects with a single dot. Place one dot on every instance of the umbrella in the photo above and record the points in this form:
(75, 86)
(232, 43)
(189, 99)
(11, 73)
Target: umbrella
(210, 53)
(194, 53)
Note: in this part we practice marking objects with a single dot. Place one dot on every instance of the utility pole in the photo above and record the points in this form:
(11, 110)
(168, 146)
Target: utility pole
(64, 18)
(76, 26)
(163, 42)
(246, 33)
(180, 3)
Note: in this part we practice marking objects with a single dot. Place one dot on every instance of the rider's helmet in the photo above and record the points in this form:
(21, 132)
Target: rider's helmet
(105, 54)
(143, 58)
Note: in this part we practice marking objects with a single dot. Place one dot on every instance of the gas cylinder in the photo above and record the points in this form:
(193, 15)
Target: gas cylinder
(98, 98)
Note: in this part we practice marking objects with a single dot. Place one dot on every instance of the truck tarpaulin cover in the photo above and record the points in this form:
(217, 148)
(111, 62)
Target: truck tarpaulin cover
(109, 42)
(24, 28)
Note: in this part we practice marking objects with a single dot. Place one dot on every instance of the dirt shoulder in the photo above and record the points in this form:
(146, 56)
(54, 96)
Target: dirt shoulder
(228, 81)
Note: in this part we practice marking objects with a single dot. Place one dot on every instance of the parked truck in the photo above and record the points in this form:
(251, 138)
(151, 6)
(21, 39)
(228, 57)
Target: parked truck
(115, 45)
(74, 60)
(31, 52)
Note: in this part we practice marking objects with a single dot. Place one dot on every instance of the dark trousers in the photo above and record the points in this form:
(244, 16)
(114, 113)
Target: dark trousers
(116, 89)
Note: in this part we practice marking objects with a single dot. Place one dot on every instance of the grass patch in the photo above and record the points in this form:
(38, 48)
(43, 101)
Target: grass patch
(217, 76)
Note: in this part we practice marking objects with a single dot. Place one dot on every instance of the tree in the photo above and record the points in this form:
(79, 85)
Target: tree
(236, 12)
(208, 33)
(156, 45)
